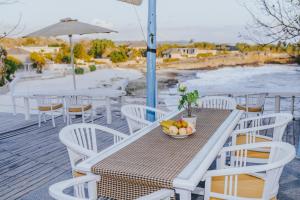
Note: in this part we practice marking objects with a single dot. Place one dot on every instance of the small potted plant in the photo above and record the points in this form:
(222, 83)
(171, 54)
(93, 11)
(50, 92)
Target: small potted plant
(187, 101)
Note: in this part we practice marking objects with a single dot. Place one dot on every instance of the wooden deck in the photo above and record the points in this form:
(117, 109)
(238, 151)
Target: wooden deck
(33, 158)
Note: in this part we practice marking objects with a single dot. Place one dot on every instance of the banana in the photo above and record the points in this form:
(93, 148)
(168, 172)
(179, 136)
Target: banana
(166, 130)
(167, 123)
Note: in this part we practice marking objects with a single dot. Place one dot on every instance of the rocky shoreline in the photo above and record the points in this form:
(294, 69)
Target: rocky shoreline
(215, 62)
(169, 76)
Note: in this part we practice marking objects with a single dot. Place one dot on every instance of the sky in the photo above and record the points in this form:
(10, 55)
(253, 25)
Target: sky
(200, 20)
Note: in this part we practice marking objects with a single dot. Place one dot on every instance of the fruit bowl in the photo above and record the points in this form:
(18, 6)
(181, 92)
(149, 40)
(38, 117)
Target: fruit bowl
(177, 129)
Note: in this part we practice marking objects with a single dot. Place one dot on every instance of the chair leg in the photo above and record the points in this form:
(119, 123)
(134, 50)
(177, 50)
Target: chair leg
(39, 119)
(184, 194)
(68, 118)
(122, 103)
(83, 117)
(53, 120)
(44, 117)
(92, 116)
(294, 134)
(63, 115)
(92, 190)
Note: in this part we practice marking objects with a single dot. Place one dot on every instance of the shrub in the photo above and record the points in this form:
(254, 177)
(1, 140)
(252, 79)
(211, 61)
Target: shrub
(170, 60)
(118, 56)
(12, 64)
(92, 68)
(204, 55)
(79, 70)
(3, 54)
(48, 56)
(66, 59)
(8, 66)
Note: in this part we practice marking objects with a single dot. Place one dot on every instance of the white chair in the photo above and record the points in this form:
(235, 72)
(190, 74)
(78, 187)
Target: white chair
(253, 103)
(49, 105)
(85, 189)
(117, 103)
(243, 181)
(78, 105)
(136, 116)
(264, 128)
(217, 102)
(81, 141)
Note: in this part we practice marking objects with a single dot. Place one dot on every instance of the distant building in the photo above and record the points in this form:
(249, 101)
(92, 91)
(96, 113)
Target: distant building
(172, 53)
(207, 51)
(186, 52)
(41, 49)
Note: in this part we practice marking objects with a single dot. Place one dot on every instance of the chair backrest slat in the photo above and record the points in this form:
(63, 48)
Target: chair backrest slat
(280, 155)
(274, 124)
(136, 116)
(83, 136)
(217, 102)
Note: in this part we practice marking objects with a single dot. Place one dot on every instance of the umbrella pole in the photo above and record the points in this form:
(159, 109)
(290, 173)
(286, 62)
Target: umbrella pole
(151, 60)
(72, 61)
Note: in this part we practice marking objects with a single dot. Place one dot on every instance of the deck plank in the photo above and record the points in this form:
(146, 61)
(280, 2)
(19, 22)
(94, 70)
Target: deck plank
(31, 156)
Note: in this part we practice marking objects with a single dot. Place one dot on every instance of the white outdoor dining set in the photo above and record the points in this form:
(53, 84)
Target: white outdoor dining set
(69, 103)
(248, 153)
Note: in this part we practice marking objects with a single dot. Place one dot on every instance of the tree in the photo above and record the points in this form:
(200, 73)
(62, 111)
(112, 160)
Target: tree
(99, 47)
(136, 53)
(30, 41)
(3, 55)
(205, 45)
(243, 47)
(38, 60)
(12, 64)
(276, 20)
(8, 66)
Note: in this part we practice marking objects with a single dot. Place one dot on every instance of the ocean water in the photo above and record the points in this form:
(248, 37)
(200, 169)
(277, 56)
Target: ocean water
(246, 79)
(268, 78)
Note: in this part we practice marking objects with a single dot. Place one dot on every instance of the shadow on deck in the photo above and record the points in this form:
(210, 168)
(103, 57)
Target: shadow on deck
(33, 158)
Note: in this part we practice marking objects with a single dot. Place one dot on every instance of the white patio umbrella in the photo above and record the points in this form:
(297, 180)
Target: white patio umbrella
(69, 27)
(134, 2)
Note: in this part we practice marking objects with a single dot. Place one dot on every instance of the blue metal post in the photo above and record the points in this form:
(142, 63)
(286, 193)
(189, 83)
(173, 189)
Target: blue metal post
(151, 59)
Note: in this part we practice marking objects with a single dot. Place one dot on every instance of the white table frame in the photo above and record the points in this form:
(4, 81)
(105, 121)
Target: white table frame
(107, 94)
(193, 173)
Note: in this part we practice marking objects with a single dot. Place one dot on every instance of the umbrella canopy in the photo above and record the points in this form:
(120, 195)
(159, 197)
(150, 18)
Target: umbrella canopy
(69, 27)
(135, 2)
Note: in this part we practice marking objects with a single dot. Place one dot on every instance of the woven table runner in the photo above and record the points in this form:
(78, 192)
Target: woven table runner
(153, 161)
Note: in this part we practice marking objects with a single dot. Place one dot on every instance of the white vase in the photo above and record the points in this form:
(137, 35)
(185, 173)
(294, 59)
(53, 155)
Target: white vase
(191, 120)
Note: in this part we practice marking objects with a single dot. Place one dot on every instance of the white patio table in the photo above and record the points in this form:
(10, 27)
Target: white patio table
(104, 93)
(187, 180)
